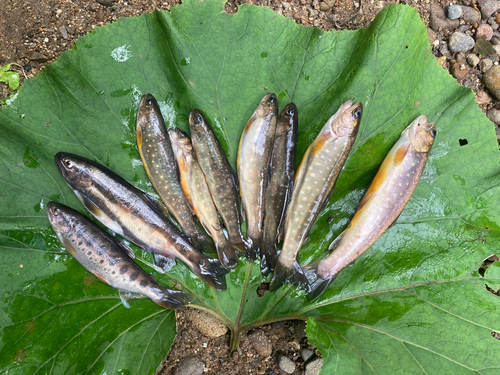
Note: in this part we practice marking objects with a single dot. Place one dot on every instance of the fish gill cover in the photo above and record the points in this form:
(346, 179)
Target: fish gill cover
(413, 302)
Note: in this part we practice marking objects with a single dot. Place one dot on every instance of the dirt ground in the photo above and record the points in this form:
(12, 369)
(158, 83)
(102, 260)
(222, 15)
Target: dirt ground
(34, 33)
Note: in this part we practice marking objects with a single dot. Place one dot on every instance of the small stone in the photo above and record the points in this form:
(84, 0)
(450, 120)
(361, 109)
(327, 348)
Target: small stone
(286, 364)
(314, 367)
(460, 42)
(36, 56)
(300, 330)
(325, 7)
(491, 80)
(301, 15)
(482, 98)
(206, 323)
(442, 61)
(454, 12)
(488, 7)
(64, 32)
(100, 15)
(46, 40)
(294, 344)
(306, 354)
(438, 20)
(459, 70)
(497, 18)
(493, 115)
(443, 49)
(106, 3)
(470, 15)
(463, 28)
(261, 343)
(27, 68)
(497, 49)
(279, 324)
(460, 57)
(485, 65)
(495, 41)
(192, 365)
(484, 29)
(431, 34)
(473, 60)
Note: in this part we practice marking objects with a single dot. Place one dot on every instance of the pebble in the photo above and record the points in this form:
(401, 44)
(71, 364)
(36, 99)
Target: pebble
(454, 12)
(473, 60)
(279, 324)
(306, 354)
(192, 365)
(286, 364)
(106, 3)
(325, 6)
(37, 56)
(459, 70)
(497, 18)
(484, 29)
(433, 38)
(261, 343)
(64, 32)
(493, 115)
(470, 15)
(485, 65)
(314, 367)
(443, 49)
(438, 20)
(491, 80)
(460, 42)
(482, 98)
(206, 323)
(495, 41)
(488, 7)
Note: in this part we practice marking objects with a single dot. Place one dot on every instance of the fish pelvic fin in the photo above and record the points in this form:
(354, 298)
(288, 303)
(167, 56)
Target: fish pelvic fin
(268, 258)
(173, 299)
(163, 263)
(211, 272)
(317, 283)
(284, 274)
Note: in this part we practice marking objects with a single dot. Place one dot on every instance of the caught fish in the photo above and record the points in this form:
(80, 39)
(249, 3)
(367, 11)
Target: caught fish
(220, 177)
(254, 156)
(134, 215)
(109, 259)
(280, 185)
(314, 182)
(381, 205)
(198, 195)
(159, 161)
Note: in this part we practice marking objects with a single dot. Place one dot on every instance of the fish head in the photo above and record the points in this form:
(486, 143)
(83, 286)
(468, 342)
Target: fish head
(421, 134)
(148, 111)
(288, 119)
(180, 141)
(198, 124)
(60, 217)
(267, 106)
(77, 171)
(347, 119)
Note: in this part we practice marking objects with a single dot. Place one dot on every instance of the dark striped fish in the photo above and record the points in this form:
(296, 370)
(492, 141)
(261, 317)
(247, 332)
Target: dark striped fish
(381, 205)
(198, 195)
(159, 161)
(314, 182)
(109, 259)
(280, 186)
(134, 215)
(254, 156)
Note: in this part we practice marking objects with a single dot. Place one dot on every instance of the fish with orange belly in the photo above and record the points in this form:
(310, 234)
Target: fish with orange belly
(381, 205)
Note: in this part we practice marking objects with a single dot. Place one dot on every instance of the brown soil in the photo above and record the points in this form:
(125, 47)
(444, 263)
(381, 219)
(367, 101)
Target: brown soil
(33, 34)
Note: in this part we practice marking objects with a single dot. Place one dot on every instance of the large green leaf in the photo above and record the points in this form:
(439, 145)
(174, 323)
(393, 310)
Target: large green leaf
(412, 303)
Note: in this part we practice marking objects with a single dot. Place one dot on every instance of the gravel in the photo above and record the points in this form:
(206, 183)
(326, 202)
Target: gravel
(460, 42)
(454, 12)
(286, 364)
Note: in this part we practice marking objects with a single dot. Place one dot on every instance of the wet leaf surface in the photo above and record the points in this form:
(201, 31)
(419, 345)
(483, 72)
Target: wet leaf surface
(414, 301)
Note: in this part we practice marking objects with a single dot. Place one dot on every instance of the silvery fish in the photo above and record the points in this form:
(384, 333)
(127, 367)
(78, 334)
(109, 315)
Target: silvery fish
(159, 161)
(381, 205)
(280, 185)
(134, 215)
(254, 157)
(314, 182)
(198, 195)
(220, 177)
(108, 258)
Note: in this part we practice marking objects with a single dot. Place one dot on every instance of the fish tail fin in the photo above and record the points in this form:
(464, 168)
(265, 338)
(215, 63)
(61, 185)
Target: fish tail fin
(284, 274)
(211, 271)
(268, 258)
(317, 283)
(227, 256)
(173, 299)
(163, 263)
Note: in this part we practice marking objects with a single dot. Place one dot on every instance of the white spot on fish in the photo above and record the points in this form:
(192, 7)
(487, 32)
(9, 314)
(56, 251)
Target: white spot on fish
(121, 54)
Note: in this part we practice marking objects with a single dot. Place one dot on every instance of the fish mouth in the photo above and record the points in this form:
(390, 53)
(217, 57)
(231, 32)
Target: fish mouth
(60, 156)
(53, 211)
(147, 101)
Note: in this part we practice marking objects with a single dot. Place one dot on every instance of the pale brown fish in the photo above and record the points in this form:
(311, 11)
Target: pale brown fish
(254, 157)
(280, 185)
(108, 258)
(314, 182)
(159, 161)
(135, 215)
(381, 205)
(198, 195)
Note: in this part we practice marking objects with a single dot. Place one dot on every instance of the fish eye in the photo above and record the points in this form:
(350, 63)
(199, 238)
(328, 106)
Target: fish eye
(272, 99)
(68, 163)
(149, 101)
(433, 133)
(356, 114)
(56, 211)
(198, 119)
(290, 112)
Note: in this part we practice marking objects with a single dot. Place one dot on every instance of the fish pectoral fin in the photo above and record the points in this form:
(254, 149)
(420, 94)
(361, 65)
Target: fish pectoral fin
(101, 277)
(163, 262)
(67, 244)
(100, 214)
(125, 296)
(336, 241)
(154, 204)
(125, 248)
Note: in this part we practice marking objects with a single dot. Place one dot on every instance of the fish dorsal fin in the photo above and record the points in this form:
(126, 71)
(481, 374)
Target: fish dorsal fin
(153, 203)
(126, 248)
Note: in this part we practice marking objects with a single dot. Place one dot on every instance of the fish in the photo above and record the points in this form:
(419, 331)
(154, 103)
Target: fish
(314, 184)
(135, 215)
(109, 259)
(220, 177)
(156, 153)
(381, 205)
(280, 185)
(198, 195)
(254, 156)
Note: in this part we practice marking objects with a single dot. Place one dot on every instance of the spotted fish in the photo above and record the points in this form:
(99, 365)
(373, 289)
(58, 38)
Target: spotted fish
(314, 182)
(381, 205)
(159, 161)
(109, 259)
